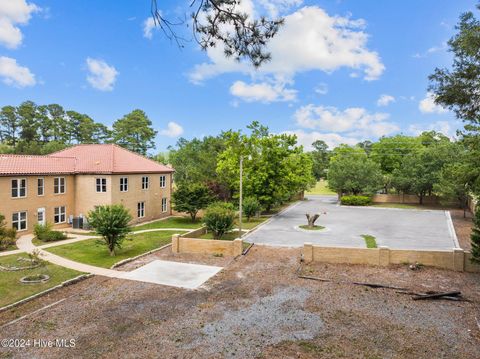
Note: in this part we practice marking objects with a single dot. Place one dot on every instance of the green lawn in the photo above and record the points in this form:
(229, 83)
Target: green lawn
(11, 290)
(320, 188)
(226, 237)
(252, 223)
(9, 248)
(172, 222)
(370, 241)
(91, 252)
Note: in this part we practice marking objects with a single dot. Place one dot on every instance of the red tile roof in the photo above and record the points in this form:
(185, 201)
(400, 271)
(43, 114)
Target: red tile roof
(81, 159)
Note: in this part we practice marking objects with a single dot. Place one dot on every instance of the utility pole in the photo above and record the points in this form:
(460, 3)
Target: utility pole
(241, 195)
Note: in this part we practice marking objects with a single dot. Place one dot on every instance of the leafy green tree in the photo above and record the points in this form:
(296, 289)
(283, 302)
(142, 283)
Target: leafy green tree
(9, 125)
(457, 88)
(320, 156)
(112, 223)
(27, 113)
(7, 235)
(275, 168)
(475, 237)
(250, 207)
(420, 171)
(352, 172)
(86, 130)
(191, 198)
(390, 151)
(219, 218)
(196, 161)
(134, 131)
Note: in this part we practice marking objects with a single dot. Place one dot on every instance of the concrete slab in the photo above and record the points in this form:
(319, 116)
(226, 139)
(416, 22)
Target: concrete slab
(394, 228)
(175, 274)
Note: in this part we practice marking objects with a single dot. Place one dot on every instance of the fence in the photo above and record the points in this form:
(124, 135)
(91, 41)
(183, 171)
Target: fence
(187, 243)
(456, 259)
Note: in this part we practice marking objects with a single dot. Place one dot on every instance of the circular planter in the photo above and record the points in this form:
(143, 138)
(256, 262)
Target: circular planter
(316, 229)
(35, 279)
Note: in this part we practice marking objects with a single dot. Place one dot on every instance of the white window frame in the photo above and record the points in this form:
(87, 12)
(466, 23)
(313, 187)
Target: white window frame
(58, 187)
(42, 187)
(19, 187)
(60, 214)
(101, 182)
(124, 185)
(19, 221)
(163, 181)
(141, 209)
(145, 182)
(164, 204)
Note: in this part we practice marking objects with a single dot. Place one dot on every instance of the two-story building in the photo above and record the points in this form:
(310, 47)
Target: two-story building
(64, 186)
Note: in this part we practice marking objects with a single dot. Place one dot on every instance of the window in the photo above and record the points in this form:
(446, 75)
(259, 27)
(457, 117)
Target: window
(163, 182)
(60, 216)
(145, 182)
(141, 209)
(123, 184)
(19, 221)
(19, 188)
(59, 185)
(164, 205)
(101, 184)
(40, 186)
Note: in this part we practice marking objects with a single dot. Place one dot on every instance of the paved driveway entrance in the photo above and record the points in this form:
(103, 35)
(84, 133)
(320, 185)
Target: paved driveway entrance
(175, 274)
(395, 228)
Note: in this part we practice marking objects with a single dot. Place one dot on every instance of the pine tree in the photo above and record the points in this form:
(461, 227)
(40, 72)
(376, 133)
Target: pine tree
(475, 236)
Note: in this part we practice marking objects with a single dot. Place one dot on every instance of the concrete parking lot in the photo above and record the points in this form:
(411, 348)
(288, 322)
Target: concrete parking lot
(395, 228)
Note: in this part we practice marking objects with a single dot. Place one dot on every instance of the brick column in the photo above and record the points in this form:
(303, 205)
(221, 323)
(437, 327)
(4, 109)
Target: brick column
(175, 243)
(308, 252)
(458, 259)
(383, 256)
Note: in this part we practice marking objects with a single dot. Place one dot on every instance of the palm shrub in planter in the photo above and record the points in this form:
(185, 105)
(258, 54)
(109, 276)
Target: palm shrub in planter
(251, 207)
(219, 218)
(356, 200)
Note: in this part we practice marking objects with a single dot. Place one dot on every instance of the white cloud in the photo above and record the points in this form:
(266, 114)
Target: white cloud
(445, 127)
(431, 50)
(428, 105)
(102, 76)
(331, 139)
(173, 130)
(275, 8)
(385, 100)
(12, 14)
(15, 75)
(321, 88)
(310, 39)
(148, 27)
(354, 121)
(263, 92)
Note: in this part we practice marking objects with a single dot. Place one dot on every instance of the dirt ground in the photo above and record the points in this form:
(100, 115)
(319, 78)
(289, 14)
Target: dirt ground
(256, 307)
(463, 227)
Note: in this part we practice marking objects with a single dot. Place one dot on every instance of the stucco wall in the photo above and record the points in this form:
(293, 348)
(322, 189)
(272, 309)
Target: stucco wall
(86, 195)
(455, 259)
(151, 196)
(32, 202)
(403, 198)
(187, 244)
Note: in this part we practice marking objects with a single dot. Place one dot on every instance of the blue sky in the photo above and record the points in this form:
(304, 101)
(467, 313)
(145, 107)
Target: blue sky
(342, 71)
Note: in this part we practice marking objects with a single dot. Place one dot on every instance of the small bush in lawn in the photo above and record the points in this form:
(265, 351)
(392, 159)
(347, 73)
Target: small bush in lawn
(251, 207)
(45, 233)
(7, 235)
(356, 200)
(219, 218)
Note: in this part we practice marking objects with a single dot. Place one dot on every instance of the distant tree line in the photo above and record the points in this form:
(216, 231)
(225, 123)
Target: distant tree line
(41, 129)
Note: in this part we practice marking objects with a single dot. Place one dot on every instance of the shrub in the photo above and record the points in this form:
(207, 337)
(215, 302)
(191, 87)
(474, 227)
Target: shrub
(190, 198)
(7, 235)
(251, 207)
(112, 223)
(219, 218)
(356, 200)
(45, 233)
(475, 237)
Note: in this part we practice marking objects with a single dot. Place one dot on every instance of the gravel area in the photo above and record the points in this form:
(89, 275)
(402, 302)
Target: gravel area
(258, 308)
(463, 227)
